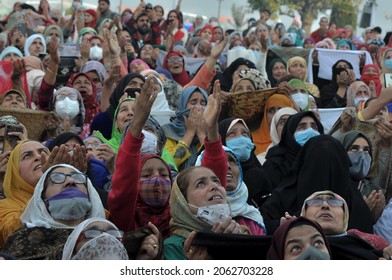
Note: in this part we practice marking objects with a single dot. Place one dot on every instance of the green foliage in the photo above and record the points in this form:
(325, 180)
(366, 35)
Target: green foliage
(344, 13)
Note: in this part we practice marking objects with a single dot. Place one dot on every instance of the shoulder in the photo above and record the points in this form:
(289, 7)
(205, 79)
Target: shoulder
(173, 248)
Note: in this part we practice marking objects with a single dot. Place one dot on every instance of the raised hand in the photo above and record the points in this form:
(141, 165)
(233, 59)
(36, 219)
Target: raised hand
(212, 111)
(194, 252)
(150, 246)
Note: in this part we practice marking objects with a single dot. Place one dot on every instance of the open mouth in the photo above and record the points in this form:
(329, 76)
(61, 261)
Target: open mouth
(216, 198)
(37, 167)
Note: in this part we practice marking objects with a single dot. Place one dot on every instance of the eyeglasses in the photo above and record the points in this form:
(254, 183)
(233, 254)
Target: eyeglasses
(71, 96)
(174, 59)
(92, 233)
(93, 145)
(59, 178)
(333, 202)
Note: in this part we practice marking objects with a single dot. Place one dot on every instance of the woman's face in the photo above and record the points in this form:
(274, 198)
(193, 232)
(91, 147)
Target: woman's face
(53, 32)
(95, 79)
(36, 47)
(305, 123)
(124, 115)
(172, 17)
(298, 69)
(236, 131)
(244, 85)
(300, 238)
(54, 188)
(146, 52)
(88, 18)
(271, 111)
(279, 127)
(233, 172)
(154, 167)
(95, 43)
(342, 64)
(175, 64)
(137, 67)
(370, 71)
(359, 145)
(362, 92)
(204, 189)
(11, 57)
(196, 99)
(158, 12)
(206, 34)
(92, 144)
(278, 71)
(309, 45)
(330, 217)
(135, 83)
(83, 85)
(30, 161)
(218, 34)
(14, 100)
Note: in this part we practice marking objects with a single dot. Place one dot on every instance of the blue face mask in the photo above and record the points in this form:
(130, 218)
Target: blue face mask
(256, 53)
(241, 147)
(388, 63)
(303, 136)
(357, 100)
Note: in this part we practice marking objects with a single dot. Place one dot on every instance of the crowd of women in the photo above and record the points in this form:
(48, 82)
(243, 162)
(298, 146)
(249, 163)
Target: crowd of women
(142, 155)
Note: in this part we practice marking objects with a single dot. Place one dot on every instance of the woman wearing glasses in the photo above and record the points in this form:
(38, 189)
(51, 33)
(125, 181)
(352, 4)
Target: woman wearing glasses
(331, 211)
(63, 198)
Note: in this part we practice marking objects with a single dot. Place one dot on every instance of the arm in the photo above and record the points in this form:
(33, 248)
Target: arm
(110, 80)
(18, 67)
(214, 155)
(374, 107)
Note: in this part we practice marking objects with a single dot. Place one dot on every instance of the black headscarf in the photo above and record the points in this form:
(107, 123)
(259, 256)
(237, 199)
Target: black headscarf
(322, 164)
(336, 71)
(64, 138)
(119, 91)
(280, 158)
(270, 67)
(227, 76)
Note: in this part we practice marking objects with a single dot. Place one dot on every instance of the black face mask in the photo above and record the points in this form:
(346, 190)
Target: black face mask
(131, 92)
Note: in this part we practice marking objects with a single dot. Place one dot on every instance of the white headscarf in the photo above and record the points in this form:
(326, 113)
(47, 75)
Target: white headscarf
(37, 215)
(275, 120)
(30, 40)
(69, 246)
(237, 198)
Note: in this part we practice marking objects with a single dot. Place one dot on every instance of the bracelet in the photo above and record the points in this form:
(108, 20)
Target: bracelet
(183, 143)
(50, 71)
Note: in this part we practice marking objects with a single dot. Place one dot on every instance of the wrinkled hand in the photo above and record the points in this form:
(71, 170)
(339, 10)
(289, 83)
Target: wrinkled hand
(225, 98)
(57, 156)
(343, 79)
(67, 123)
(218, 49)
(111, 38)
(79, 158)
(194, 252)
(348, 122)
(113, 75)
(192, 121)
(384, 129)
(150, 246)
(3, 161)
(85, 50)
(52, 49)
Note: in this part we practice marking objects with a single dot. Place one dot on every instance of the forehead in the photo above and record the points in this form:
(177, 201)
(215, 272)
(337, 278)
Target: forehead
(238, 125)
(196, 94)
(201, 172)
(92, 140)
(65, 170)
(99, 225)
(127, 103)
(307, 119)
(360, 141)
(30, 145)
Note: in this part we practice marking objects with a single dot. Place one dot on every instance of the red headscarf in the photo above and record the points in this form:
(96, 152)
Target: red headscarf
(182, 78)
(366, 78)
(90, 101)
(207, 26)
(145, 213)
(94, 14)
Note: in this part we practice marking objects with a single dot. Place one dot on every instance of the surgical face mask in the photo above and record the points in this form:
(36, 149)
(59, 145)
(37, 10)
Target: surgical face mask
(155, 191)
(256, 53)
(360, 165)
(357, 100)
(213, 214)
(302, 100)
(49, 38)
(241, 146)
(102, 247)
(150, 143)
(96, 53)
(69, 204)
(313, 254)
(301, 137)
(388, 63)
(67, 107)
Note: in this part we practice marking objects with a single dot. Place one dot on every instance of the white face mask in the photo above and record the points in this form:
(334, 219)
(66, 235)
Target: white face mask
(301, 99)
(149, 145)
(67, 107)
(213, 214)
(96, 53)
(359, 99)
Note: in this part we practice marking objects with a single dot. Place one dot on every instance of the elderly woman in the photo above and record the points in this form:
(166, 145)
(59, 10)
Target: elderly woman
(332, 212)
(298, 67)
(63, 198)
(53, 30)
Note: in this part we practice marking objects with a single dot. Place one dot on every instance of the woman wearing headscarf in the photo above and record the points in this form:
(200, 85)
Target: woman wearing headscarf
(53, 211)
(103, 122)
(357, 92)
(141, 196)
(298, 67)
(322, 164)
(53, 30)
(281, 157)
(261, 136)
(276, 70)
(185, 135)
(97, 74)
(333, 95)
(346, 243)
(371, 77)
(175, 63)
(288, 244)
(90, 18)
(230, 74)
(34, 45)
(10, 53)
(277, 124)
